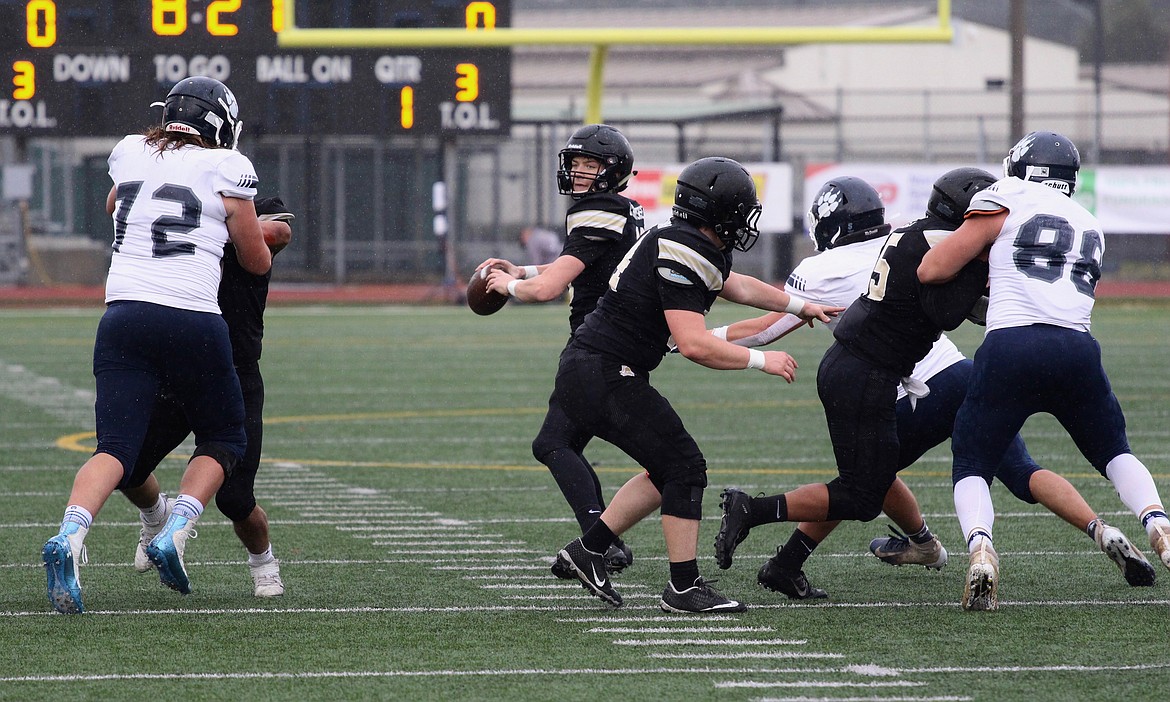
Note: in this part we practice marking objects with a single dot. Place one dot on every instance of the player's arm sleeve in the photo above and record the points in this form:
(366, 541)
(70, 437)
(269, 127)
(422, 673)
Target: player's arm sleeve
(947, 305)
(592, 229)
(684, 276)
(236, 177)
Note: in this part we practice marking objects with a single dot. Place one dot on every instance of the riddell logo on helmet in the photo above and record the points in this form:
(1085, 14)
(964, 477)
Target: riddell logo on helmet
(180, 127)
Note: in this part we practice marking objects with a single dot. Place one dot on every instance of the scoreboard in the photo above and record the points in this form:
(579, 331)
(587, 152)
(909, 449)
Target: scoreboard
(92, 67)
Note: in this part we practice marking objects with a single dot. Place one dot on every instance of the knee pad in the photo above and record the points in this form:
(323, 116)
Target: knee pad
(224, 454)
(236, 505)
(542, 446)
(682, 496)
(848, 502)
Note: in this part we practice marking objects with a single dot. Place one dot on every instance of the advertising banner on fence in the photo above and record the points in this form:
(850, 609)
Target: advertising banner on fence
(1126, 199)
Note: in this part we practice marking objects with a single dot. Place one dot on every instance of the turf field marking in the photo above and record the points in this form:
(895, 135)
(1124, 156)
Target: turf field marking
(431, 536)
(881, 699)
(678, 629)
(708, 642)
(556, 585)
(406, 674)
(830, 684)
(72, 406)
(577, 596)
(659, 619)
(738, 655)
(497, 569)
(405, 527)
(472, 541)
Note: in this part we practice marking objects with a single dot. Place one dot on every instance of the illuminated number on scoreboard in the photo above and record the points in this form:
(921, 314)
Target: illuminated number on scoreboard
(477, 10)
(168, 18)
(406, 113)
(24, 80)
(215, 26)
(467, 82)
(36, 13)
(277, 15)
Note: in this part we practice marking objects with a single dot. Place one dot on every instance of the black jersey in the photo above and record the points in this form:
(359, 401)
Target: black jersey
(601, 229)
(672, 267)
(242, 298)
(894, 324)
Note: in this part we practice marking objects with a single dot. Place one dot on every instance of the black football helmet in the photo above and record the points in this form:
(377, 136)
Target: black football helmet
(846, 210)
(1045, 157)
(719, 193)
(203, 106)
(952, 193)
(607, 145)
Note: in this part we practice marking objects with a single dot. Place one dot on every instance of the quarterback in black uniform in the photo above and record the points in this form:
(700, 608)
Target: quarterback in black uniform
(242, 299)
(877, 342)
(661, 292)
(594, 167)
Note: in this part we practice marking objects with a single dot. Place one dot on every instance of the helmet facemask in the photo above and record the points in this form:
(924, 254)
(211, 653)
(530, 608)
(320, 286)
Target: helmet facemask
(611, 177)
(740, 230)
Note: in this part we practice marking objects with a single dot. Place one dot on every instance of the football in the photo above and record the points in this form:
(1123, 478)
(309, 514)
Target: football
(479, 298)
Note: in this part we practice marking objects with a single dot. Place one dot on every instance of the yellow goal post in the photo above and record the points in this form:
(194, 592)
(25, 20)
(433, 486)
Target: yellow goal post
(601, 38)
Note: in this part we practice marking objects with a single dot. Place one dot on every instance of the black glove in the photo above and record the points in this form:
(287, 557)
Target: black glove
(272, 208)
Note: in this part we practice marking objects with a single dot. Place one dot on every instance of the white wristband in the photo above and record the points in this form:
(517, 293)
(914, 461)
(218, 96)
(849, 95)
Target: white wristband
(755, 359)
(795, 305)
(512, 286)
(720, 333)
(530, 272)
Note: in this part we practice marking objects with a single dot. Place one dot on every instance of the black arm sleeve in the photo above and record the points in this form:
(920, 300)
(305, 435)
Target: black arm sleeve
(947, 305)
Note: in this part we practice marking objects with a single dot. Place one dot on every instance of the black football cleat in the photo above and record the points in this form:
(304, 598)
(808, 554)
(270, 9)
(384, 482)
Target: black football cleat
(700, 598)
(618, 557)
(589, 568)
(561, 569)
(733, 529)
(791, 583)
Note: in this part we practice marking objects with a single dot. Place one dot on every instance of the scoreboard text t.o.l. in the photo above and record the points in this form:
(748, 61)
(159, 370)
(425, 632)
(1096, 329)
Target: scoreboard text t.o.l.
(92, 67)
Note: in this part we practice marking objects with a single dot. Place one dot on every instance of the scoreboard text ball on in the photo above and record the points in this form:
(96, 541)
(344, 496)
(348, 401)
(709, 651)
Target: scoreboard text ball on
(92, 67)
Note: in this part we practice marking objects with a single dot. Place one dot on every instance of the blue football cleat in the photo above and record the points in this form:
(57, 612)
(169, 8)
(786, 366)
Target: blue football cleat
(61, 571)
(165, 551)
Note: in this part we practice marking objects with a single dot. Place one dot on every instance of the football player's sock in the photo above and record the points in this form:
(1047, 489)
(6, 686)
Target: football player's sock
(598, 538)
(578, 483)
(258, 559)
(768, 509)
(1133, 483)
(588, 515)
(1152, 517)
(1091, 528)
(189, 507)
(976, 539)
(923, 535)
(75, 525)
(799, 547)
(156, 514)
(973, 507)
(76, 514)
(684, 574)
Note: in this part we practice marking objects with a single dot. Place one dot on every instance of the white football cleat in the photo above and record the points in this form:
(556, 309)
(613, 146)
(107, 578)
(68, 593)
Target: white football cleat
(266, 580)
(1137, 570)
(1160, 542)
(146, 534)
(980, 592)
